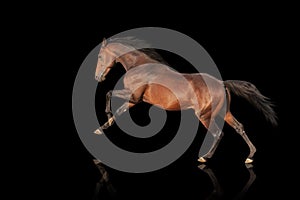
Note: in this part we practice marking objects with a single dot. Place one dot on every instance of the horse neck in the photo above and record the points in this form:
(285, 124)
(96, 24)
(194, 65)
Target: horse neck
(130, 57)
(134, 59)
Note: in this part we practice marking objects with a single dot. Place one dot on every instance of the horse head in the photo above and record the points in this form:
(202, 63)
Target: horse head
(106, 60)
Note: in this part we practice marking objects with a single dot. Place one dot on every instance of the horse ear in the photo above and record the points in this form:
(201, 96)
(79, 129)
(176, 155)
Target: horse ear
(104, 42)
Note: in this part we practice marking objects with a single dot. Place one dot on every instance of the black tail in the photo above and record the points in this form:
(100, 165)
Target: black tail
(250, 92)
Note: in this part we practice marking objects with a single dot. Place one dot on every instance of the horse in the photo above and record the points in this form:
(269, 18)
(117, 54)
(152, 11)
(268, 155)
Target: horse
(192, 93)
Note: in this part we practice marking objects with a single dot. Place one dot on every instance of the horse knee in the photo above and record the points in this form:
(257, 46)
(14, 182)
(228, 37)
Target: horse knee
(108, 94)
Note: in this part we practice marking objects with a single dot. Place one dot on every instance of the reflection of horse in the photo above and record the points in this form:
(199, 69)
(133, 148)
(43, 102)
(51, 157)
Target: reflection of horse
(103, 183)
(217, 192)
(191, 91)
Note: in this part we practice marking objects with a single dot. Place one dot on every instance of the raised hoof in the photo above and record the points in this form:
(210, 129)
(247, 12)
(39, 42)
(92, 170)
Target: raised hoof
(202, 160)
(249, 160)
(98, 132)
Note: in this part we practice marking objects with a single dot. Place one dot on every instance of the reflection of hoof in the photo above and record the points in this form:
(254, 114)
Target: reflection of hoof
(202, 160)
(248, 161)
(249, 165)
(98, 131)
(202, 166)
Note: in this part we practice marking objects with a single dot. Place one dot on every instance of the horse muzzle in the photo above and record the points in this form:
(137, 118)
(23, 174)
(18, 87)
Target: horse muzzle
(100, 78)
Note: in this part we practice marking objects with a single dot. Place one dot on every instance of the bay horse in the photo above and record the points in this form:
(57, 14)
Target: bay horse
(192, 92)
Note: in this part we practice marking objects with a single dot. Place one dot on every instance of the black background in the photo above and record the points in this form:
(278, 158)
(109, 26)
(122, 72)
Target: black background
(243, 46)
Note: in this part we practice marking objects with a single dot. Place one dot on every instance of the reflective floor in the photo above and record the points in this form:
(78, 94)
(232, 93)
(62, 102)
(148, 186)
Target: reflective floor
(194, 182)
(105, 188)
(225, 176)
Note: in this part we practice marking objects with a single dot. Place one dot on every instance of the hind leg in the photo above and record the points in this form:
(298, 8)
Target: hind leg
(217, 134)
(230, 119)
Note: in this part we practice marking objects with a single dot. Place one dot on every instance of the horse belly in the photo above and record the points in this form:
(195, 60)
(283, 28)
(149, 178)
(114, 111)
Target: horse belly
(164, 98)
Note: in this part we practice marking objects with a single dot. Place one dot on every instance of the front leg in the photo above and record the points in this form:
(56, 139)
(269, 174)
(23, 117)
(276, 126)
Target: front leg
(108, 107)
(118, 113)
(112, 119)
(124, 94)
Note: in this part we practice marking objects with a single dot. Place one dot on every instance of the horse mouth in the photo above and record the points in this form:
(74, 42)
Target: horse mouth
(100, 79)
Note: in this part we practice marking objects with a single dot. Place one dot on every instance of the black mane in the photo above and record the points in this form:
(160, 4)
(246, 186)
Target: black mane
(140, 45)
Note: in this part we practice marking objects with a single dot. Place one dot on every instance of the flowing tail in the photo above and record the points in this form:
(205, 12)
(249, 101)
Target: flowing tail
(252, 95)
